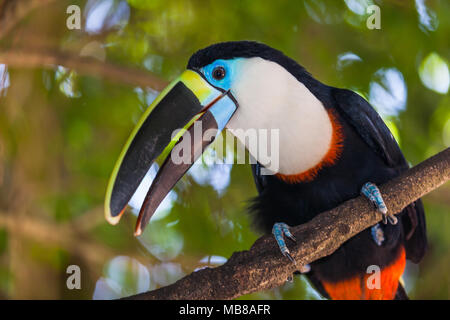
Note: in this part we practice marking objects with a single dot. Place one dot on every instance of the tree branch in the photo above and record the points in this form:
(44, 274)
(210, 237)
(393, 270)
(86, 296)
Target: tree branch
(63, 234)
(13, 11)
(263, 267)
(34, 58)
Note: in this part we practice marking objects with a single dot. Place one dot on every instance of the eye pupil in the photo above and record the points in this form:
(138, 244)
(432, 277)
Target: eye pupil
(218, 73)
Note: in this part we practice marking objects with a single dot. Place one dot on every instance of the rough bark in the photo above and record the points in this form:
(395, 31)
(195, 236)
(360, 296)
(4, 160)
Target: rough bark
(38, 58)
(263, 267)
(13, 11)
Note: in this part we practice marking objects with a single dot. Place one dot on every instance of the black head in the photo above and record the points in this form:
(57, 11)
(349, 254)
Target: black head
(234, 49)
(250, 49)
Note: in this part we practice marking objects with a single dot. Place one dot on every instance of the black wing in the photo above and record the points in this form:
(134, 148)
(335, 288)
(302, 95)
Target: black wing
(369, 125)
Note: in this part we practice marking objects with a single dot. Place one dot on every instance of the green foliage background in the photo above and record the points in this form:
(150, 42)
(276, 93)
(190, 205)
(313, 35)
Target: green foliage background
(60, 135)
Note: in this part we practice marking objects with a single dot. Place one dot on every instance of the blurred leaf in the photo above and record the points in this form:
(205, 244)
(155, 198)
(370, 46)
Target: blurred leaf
(434, 73)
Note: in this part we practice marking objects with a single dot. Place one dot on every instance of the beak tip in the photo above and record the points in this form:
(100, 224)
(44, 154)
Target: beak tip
(113, 220)
(138, 230)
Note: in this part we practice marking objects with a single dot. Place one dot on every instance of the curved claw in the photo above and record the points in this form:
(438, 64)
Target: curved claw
(392, 219)
(288, 255)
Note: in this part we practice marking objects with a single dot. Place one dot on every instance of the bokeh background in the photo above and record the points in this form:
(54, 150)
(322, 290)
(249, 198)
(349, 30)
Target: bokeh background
(62, 130)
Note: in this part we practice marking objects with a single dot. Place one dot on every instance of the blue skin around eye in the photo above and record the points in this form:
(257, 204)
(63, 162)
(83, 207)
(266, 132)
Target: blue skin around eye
(231, 70)
(224, 108)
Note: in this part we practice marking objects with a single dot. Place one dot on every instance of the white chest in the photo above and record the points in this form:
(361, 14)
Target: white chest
(271, 98)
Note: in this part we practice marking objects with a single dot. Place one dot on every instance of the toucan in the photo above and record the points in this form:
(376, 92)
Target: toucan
(332, 146)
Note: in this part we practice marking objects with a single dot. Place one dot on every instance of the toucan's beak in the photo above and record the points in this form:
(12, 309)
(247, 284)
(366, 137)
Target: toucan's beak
(189, 103)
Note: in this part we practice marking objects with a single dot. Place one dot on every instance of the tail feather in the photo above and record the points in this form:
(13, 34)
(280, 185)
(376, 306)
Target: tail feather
(357, 287)
(401, 293)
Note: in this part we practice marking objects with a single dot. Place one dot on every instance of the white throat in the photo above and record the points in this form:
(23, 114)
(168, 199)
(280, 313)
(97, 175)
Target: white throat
(270, 97)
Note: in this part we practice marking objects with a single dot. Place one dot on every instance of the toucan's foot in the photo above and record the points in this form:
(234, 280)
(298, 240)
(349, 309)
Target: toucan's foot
(305, 269)
(280, 230)
(372, 193)
(377, 234)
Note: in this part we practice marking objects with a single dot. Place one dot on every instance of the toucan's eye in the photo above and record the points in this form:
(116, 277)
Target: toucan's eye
(219, 73)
